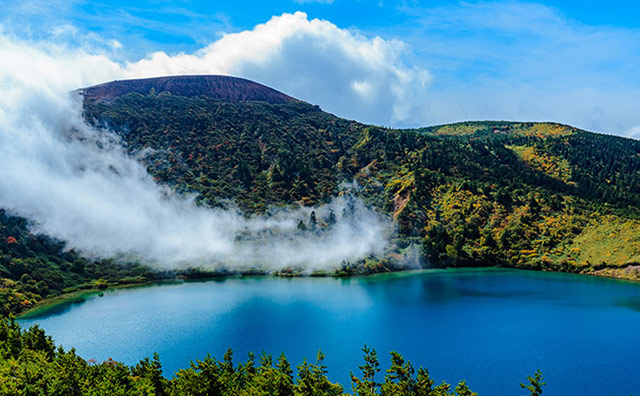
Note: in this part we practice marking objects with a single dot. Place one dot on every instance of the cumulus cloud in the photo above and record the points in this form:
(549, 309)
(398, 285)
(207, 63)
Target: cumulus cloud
(53, 67)
(343, 71)
(77, 184)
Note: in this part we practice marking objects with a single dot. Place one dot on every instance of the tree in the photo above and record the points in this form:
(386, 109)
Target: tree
(367, 385)
(313, 221)
(399, 380)
(313, 381)
(331, 220)
(535, 384)
(424, 383)
(463, 390)
(285, 384)
(151, 369)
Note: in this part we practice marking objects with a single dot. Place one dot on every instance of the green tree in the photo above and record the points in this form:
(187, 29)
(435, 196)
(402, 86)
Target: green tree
(399, 380)
(331, 220)
(151, 369)
(535, 384)
(313, 381)
(313, 221)
(463, 390)
(367, 385)
(424, 383)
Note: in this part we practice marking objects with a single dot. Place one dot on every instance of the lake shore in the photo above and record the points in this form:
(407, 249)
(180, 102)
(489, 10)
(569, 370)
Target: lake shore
(48, 304)
(628, 273)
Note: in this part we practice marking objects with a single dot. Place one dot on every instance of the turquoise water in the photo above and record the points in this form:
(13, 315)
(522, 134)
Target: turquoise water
(490, 327)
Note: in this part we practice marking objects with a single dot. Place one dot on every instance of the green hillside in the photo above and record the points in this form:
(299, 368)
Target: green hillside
(532, 195)
(528, 195)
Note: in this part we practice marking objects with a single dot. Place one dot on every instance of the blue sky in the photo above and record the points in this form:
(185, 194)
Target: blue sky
(438, 61)
(187, 24)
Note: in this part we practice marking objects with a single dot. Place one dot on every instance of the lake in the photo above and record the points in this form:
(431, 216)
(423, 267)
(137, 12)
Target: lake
(491, 327)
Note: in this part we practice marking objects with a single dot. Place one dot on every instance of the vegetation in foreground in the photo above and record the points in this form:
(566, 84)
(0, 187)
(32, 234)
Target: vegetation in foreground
(30, 364)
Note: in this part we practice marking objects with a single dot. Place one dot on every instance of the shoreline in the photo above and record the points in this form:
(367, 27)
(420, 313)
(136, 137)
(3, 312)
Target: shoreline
(48, 304)
(80, 296)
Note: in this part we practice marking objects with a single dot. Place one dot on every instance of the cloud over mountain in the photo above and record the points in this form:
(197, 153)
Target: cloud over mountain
(76, 183)
(344, 71)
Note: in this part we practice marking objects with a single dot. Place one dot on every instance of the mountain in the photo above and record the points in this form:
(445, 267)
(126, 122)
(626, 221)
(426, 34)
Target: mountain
(228, 89)
(529, 195)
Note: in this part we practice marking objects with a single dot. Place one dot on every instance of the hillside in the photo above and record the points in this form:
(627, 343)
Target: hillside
(529, 195)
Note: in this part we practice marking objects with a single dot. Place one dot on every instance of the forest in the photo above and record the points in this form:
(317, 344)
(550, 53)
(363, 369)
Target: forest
(30, 364)
(540, 196)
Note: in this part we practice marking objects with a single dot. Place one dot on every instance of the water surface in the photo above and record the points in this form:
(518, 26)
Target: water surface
(490, 327)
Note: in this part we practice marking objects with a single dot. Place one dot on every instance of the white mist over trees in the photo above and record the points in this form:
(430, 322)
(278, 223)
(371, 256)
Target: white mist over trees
(77, 184)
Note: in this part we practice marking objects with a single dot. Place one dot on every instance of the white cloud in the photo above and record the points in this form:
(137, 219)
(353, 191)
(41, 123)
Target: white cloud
(76, 183)
(343, 71)
(55, 67)
(115, 44)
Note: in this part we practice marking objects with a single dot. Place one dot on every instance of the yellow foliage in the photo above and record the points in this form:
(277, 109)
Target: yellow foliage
(456, 130)
(612, 237)
(548, 129)
(539, 129)
(551, 165)
(365, 140)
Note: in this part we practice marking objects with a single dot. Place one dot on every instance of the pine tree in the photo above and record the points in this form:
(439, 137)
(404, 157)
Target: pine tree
(399, 380)
(535, 384)
(313, 221)
(367, 385)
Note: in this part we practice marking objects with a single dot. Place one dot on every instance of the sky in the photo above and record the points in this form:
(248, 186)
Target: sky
(400, 63)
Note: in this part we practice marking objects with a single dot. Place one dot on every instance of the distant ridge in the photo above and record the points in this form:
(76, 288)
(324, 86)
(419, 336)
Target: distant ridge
(225, 88)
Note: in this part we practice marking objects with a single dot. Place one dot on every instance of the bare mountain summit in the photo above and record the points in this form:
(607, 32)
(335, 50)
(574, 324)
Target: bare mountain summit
(225, 88)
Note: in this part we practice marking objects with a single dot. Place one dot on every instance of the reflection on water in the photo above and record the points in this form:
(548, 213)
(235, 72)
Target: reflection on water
(491, 327)
(632, 303)
(59, 309)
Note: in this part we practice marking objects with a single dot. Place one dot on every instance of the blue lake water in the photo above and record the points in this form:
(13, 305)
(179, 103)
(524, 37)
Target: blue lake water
(490, 327)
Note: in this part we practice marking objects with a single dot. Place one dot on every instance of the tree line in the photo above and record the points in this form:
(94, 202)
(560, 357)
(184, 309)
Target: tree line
(31, 365)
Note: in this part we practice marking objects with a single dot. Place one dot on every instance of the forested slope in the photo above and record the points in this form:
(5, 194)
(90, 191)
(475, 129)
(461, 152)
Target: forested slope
(534, 195)
(528, 195)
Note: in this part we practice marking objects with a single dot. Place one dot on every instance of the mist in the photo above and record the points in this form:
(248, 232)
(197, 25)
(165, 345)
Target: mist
(76, 183)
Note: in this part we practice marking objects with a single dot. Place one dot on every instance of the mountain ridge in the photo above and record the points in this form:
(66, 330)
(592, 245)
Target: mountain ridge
(225, 88)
